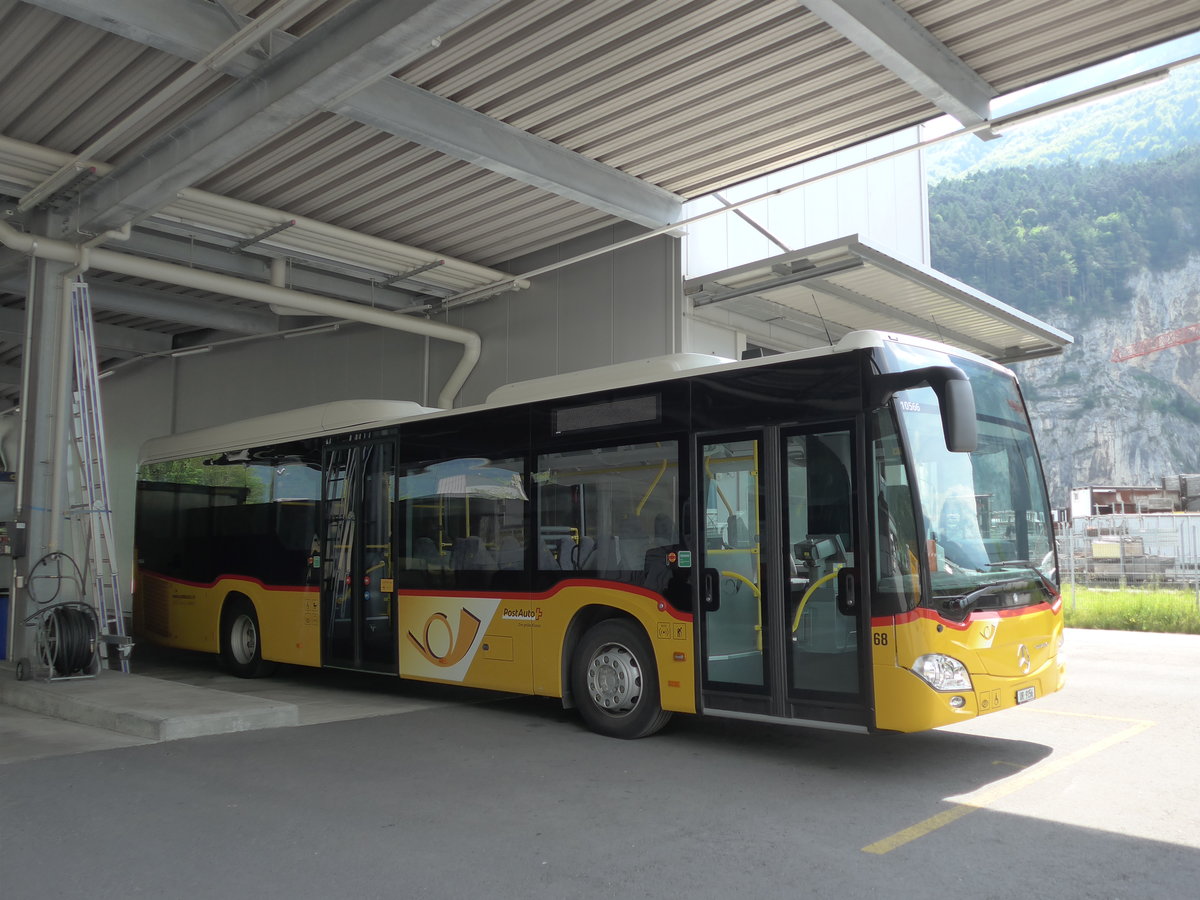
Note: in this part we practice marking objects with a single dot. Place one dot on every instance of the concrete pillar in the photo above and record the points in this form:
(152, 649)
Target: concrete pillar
(47, 455)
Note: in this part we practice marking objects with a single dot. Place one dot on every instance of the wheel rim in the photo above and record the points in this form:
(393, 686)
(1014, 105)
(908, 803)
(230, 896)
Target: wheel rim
(614, 678)
(243, 639)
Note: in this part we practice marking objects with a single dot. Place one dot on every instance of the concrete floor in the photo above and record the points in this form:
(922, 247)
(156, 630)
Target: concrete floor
(390, 789)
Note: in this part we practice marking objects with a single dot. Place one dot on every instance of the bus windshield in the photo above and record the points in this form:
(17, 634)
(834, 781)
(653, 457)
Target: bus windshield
(986, 530)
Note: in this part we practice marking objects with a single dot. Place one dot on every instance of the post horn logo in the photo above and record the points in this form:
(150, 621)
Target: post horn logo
(457, 646)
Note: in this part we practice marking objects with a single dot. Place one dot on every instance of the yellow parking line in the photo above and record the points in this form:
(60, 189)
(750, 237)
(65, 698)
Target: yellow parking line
(1010, 786)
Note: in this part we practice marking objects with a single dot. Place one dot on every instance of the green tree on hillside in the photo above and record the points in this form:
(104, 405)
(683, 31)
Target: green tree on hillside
(1065, 237)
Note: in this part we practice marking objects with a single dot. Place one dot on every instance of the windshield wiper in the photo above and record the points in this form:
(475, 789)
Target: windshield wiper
(969, 600)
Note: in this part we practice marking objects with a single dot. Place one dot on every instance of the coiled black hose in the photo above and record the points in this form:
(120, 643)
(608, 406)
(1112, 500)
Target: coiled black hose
(70, 639)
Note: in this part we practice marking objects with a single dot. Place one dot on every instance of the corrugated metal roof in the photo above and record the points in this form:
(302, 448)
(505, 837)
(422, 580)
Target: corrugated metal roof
(674, 98)
(1016, 43)
(689, 95)
(811, 297)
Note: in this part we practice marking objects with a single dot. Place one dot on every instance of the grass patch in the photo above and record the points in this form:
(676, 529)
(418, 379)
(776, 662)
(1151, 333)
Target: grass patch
(1170, 611)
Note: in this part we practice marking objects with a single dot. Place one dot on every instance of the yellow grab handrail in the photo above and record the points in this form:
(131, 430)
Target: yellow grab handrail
(808, 596)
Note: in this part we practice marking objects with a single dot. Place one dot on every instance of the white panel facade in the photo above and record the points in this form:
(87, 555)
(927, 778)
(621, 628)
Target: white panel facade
(883, 202)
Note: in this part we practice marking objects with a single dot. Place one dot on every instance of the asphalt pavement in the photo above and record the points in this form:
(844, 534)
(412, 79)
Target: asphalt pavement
(392, 789)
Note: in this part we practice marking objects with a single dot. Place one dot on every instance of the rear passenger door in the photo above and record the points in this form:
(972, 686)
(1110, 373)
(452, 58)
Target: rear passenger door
(358, 609)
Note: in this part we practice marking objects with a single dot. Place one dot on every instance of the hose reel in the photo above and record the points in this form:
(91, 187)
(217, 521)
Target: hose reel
(65, 643)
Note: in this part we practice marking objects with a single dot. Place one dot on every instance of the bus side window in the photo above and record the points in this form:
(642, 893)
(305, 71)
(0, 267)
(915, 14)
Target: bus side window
(611, 512)
(462, 523)
(897, 563)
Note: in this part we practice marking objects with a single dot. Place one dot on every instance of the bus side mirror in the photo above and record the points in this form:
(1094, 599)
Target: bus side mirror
(955, 399)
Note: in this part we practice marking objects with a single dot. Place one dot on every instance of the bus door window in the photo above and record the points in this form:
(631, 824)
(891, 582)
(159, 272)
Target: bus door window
(378, 576)
(343, 483)
(823, 633)
(360, 623)
(733, 525)
(462, 524)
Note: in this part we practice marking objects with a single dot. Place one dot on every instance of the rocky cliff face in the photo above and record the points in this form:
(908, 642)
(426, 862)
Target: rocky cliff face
(1121, 423)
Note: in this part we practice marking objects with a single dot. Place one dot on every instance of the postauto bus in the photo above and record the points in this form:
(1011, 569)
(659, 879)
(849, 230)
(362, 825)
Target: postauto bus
(856, 537)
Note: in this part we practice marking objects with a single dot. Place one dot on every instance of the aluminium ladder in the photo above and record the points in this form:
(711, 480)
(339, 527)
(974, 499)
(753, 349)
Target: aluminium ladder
(94, 512)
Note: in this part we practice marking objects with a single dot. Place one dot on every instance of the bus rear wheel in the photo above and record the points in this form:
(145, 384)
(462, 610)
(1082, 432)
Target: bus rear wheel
(241, 647)
(615, 681)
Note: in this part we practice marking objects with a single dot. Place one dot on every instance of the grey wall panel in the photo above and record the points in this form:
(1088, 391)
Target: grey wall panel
(533, 346)
(648, 300)
(587, 324)
(261, 377)
(614, 307)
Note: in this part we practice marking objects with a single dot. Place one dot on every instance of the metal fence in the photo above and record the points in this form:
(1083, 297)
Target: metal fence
(1146, 552)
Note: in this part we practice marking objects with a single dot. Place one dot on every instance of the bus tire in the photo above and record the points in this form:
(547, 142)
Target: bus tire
(241, 644)
(614, 680)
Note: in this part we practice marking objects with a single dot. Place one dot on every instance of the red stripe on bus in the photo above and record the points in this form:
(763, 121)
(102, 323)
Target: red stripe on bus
(922, 613)
(663, 605)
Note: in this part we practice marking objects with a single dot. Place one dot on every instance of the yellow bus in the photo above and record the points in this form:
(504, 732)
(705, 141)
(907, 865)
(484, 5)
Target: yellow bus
(856, 537)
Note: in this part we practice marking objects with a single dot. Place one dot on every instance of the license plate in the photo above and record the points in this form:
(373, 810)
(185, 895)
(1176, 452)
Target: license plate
(1024, 695)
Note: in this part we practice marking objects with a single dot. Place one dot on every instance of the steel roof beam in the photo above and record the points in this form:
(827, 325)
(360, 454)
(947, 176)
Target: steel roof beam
(113, 339)
(361, 44)
(187, 251)
(166, 307)
(895, 39)
(192, 28)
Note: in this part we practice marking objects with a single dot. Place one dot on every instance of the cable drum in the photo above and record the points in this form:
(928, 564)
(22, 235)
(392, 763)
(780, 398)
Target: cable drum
(67, 639)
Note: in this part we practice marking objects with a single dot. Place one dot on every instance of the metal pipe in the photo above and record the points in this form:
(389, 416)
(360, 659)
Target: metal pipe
(26, 355)
(60, 251)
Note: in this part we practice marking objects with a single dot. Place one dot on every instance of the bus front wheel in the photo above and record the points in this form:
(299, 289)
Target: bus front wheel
(241, 647)
(615, 681)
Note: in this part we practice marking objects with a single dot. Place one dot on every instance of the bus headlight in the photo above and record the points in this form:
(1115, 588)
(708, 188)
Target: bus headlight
(942, 673)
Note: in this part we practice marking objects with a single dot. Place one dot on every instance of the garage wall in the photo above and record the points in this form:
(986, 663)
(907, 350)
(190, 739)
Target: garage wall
(611, 308)
(616, 307)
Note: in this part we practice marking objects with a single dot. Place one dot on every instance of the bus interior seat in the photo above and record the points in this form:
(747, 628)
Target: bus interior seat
(425, 551)
(510, 554)
(735, 532)
(664, 529)
(546, 560)
(565, 552)
(583, 554)
(656, 571)
(469, 554)
(607, 556)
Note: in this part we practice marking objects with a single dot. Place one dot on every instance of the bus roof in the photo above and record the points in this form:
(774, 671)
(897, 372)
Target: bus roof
(352, 415)
(678, 365)
(289, 425)
(625, 374)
